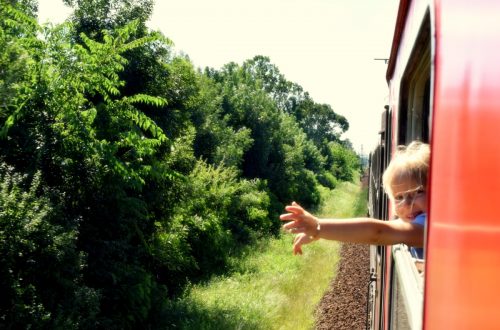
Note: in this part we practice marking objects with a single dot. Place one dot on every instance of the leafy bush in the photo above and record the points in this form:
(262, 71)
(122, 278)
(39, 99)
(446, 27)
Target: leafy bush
(40, 268)
(215, 213)
(343, 161)
(328, 180)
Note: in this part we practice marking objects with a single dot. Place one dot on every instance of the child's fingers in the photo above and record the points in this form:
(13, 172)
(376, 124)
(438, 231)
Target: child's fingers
(294, 208)
(290, 225)
(297, 248)
(298, 241)
(288, 217)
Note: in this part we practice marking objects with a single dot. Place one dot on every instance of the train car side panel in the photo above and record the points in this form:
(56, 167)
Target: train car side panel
(463, 267)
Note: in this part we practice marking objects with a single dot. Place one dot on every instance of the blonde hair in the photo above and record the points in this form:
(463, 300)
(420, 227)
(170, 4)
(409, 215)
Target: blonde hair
(409, 163)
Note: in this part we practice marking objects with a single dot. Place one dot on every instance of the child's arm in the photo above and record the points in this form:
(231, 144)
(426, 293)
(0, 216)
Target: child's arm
(357, 230)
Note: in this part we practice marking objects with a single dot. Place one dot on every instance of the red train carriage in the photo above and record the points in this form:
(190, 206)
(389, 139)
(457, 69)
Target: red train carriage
(444, 83)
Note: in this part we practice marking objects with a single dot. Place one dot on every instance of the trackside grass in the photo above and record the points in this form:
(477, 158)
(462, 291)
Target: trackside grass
(272, 289)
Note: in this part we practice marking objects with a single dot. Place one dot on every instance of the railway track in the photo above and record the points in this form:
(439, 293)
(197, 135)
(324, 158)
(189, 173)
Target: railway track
(343, 307)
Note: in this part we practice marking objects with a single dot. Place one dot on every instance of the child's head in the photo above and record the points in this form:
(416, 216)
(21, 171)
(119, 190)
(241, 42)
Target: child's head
(405, 180)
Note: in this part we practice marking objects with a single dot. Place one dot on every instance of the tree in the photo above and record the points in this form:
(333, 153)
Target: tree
(278, 151)
(92, 17)
(95, 150)
(343, 161)
(320, 122)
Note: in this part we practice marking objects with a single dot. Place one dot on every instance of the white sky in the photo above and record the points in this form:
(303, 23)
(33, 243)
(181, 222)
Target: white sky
(326, 46)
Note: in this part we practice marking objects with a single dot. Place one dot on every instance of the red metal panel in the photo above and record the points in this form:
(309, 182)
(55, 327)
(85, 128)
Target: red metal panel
(462, 286)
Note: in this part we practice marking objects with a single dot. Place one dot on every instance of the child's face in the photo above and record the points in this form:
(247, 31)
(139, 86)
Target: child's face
(410, 199)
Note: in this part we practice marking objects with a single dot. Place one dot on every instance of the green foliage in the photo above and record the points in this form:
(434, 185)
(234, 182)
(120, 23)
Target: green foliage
(92, 17)
(94, 149)
(343, 161)
(41, 279)
(17, 38)
(328, 180)
(263, 291)
(215, 213)
(216, 140)
(253, 97)
(320, 122)
(137, 173)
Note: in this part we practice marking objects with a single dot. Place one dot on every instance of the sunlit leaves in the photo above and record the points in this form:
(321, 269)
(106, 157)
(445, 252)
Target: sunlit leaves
(17, 42)
(146, 99)
(16, 20)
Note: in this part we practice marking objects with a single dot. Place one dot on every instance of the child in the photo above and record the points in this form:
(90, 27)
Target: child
(405, 181)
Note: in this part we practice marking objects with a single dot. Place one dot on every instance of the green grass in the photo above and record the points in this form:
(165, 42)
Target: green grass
(347, 201)
(272, 289)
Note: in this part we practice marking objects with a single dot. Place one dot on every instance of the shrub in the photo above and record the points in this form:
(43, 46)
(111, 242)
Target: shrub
(40, 277)
(215, 213)
(344, 161)
(327, 179)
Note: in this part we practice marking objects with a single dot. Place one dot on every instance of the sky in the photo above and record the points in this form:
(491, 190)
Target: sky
(328, 47)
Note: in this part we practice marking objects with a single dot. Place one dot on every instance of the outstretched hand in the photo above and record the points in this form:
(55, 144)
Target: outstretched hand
(301, 222)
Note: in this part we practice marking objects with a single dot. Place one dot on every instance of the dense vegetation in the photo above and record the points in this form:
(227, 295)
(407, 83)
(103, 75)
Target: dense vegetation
(273, 289)
(126, 173)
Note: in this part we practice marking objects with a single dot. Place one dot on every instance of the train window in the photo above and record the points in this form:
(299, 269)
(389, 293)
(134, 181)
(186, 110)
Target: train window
(415, 90)
(407, 291)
